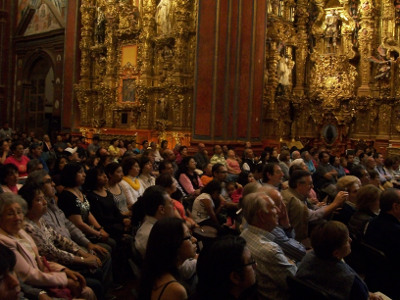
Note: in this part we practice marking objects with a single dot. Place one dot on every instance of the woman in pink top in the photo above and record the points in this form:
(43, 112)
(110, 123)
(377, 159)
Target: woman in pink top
(9, 178)
(188, 178)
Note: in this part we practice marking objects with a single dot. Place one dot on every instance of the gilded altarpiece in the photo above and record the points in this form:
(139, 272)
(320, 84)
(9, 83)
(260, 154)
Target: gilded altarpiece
(332, 63)
(137, 65)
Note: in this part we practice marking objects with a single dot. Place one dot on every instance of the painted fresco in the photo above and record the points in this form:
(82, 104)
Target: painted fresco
(42, 21)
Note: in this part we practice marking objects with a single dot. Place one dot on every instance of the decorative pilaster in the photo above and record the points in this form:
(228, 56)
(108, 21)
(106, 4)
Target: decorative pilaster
(302, 46)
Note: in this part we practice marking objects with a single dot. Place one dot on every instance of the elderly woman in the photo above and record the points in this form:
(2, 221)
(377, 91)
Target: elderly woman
(226, 270)
(30, 267)
(9, 178)
(367, 205)
(325, 267)
(350, 184)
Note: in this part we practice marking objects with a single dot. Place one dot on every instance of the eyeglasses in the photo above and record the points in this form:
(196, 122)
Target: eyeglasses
(189, 237)
(252, 262)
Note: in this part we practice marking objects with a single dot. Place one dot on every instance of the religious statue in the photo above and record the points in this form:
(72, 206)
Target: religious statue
(162, 109)
(163, 17)
(100, 29)
(332, 30)
(285, 66)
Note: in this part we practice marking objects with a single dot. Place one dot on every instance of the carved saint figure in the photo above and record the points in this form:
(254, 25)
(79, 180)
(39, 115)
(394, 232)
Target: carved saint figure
(163, 20)
(285, 67)
(100, 30)
(332, 29)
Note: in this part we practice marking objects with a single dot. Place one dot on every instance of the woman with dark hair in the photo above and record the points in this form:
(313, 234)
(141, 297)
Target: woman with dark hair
(18, 159)
(102, 204)
(9, 283)
(188, 178)
(245, 177)
(4, 151)
(325, 267)
(9, 178)
(75, 205)
(208, 204)
(170, 244)
(145, 178)
(226, 270)
(182, 153)
(56, 172)
(165, 181)
(130, 181)
(163, 146)
(114, 149)
(121, 197)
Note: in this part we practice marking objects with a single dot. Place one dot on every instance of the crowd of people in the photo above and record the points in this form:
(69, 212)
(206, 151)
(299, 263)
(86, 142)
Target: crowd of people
(80, 220)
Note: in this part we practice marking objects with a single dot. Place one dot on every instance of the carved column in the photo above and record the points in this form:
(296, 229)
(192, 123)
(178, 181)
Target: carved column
(146, 49)
(366, 37)
(388, 17)
(87, 12)
(302, 46)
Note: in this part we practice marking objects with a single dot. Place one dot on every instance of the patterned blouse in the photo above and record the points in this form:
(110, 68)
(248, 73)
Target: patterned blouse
(51, 244)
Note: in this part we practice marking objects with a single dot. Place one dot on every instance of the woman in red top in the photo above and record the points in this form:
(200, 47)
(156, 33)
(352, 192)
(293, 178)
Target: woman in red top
(18, 159)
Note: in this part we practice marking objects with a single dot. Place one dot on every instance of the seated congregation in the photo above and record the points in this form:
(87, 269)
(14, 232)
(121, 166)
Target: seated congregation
(87, 221)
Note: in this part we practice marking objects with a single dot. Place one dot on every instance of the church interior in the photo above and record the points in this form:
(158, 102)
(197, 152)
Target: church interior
(319, 73)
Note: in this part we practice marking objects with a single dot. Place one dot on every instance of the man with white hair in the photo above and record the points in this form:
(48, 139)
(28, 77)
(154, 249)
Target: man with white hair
(273, 267)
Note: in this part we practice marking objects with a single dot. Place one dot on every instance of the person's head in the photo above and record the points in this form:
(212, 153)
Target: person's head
(343, 162)
(95, 178)
(324, 157)
(378, 157)
(164, 144)
(217, 149)
(166, 167)
(330, 240)
(299, 162)
(12, 211)
(157, 203)
(213, 188)
(230, 187)
(374, 177)
(231, 154)
(35, 199)
(306, 156)
(360, 172)
(272, 174)
(9, 174)
(370, 163)
(368, 198)
(284, 156)
(275, 195)
(72, 154)
(114, 172)
(225, 266)
(183, 151)
(301, 181)
(168, 155)
(260, 211)
(145, 144)
(334, 160)
(96, 140)
(388, 162)
(245, 177)
(258, 172)
(201, 147)
(188, 164)
(169, 245)
(390, 202)
(349, 184)
(146, 166)
(36, 150)
(17, 148)
(33, 165)
(248, 153)
(165, 181)
(219, 172)
(208, 169)
(296, 155)
(43, 180)
(130, 166)
(9, 283)
(73, 175)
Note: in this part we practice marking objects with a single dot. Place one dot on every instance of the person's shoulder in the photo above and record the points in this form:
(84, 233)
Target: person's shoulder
(175, 290)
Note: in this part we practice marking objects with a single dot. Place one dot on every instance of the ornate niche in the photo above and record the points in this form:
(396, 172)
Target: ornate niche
(332, 76)
(136, 64)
